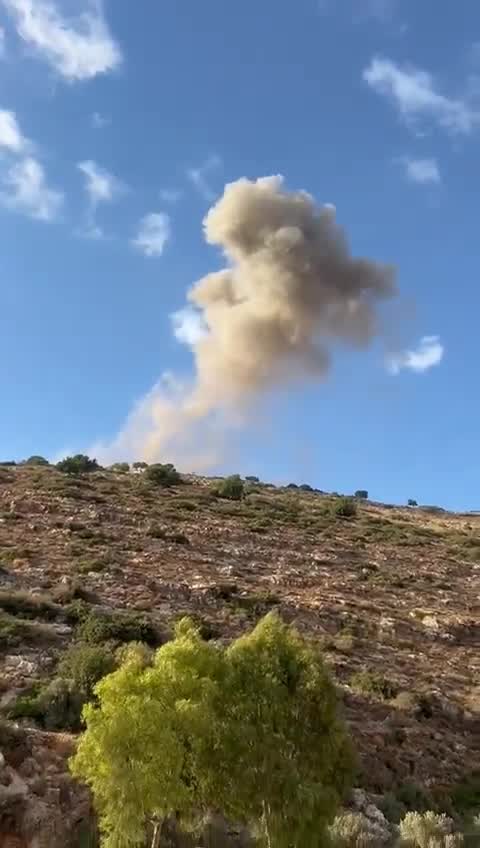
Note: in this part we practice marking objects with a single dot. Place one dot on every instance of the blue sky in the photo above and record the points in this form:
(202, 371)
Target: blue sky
(119, 128)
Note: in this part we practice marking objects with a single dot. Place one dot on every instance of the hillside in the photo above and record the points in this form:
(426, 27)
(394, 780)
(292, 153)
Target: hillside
(391, 594)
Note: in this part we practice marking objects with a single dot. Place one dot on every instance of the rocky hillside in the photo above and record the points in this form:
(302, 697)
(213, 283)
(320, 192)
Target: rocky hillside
(392, 595)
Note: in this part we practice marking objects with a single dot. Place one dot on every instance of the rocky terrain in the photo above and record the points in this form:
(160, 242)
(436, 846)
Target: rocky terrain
(391, 594)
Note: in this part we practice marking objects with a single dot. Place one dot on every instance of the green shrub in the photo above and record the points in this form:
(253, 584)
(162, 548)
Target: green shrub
(140, 466)
(428, 830)
(252, 479)
(345, 508)
(373, 683)
(412, 502)
(85, 665)
(163, 475)
(232, 488)
(120, 467)
(78, 464)
(36, 460)
(117, 627)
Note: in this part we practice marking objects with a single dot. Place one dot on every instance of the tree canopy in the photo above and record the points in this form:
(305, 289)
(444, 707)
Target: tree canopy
(250, 729)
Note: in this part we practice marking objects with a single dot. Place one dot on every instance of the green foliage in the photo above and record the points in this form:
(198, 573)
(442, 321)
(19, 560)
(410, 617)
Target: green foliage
(85, 665)
(120, 467)
(95, 628)
(345, 508)
(362, 494)
(250, 729)
(36, 460)
(252, 479)
(232, 488)
(412, 502)
(163, 475)
(140, 466)
(58, 704)
(428, 830)
(78, 464)
(373, 683)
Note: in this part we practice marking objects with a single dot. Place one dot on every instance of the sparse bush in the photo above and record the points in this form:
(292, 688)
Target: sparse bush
(373, 683)
(249, 729)
(36, 460)
(78, 464)
(27, 605)
(163, 475)
(345, 508)
(120, 467)
(140, 466)
(428, 830)
(362, 494)
(355, 830)
(232, 488)
(412, 502)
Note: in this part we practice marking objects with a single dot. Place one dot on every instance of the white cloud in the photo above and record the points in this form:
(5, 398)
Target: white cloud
(153, 234)
(188, 326)
(199, 176)
(428, 353)
(78, 48)
(11, 136)
(422, 170)
(101, 186)
(99, 121)
(413, 92)
(27, 191)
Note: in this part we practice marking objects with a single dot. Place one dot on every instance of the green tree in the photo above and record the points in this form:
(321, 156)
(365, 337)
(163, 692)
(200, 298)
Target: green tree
(362, 494)
(120, 467)
(163, 475)
(36, 460)
(251, 730)
(78, 464)
(412, 502)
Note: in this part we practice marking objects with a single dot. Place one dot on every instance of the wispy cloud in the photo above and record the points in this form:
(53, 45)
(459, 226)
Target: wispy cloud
(199, 177)
(428, 353)
(11, 136)
(170, 195)
(422, 171)
(26, 191)
(413, 92)
(153, 233)
(78, 48)
(99, 121)
(101, 187)
(188, 326)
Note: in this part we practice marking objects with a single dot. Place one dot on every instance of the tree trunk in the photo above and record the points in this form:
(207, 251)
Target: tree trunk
(157, 832)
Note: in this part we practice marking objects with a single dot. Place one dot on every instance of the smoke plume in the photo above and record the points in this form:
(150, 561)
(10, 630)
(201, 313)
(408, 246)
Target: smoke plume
(290, 290)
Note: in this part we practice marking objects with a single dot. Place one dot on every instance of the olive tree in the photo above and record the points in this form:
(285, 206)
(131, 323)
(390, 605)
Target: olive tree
(250, 729)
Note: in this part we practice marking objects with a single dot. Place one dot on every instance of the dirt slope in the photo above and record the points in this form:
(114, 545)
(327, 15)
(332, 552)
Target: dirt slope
(393, 596)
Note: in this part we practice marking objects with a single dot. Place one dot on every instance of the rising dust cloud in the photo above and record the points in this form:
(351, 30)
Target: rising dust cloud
(289, 291)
